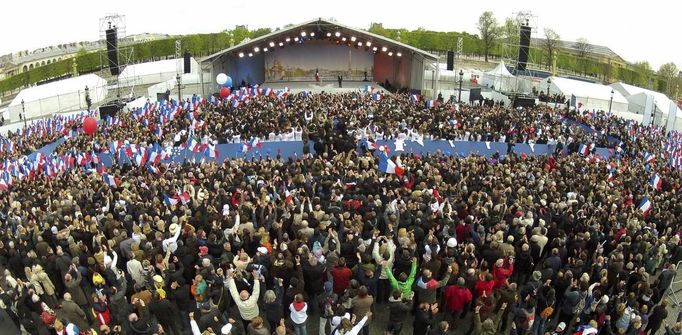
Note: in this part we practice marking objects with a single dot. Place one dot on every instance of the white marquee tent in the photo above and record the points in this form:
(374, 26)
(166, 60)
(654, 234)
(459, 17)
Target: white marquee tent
(591, 95)
(636, 97)
(58, 96)
(153, 72)
(500, 79)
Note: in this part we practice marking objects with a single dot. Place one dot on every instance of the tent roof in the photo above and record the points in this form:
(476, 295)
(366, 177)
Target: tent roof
(584, 89)
(60, 87)
(661, 100)
(143, 69)
(500, 70)
(319, 25)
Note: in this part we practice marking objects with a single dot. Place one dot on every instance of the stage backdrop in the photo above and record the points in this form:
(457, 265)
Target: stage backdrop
(298, 62)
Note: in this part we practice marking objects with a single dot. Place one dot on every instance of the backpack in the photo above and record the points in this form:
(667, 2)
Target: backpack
(578, 308)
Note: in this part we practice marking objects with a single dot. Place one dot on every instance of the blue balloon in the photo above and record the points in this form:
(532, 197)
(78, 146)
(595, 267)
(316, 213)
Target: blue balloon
(228, 82)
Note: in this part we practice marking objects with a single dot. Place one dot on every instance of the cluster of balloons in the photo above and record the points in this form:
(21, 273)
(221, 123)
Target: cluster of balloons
(225, 82)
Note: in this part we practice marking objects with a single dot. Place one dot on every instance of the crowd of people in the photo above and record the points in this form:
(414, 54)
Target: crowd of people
(326, 243)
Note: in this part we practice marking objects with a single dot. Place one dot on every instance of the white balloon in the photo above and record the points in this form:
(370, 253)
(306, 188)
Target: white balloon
(221, 78)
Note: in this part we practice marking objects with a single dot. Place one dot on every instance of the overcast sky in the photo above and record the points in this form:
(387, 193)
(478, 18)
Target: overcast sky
(643, 31)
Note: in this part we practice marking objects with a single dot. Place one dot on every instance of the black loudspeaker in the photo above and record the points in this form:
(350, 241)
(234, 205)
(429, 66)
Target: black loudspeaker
(524, 45)
(475, 95)
(109, 109)
(188, 64)
(451, 61)
(112, 51)
(524, 102)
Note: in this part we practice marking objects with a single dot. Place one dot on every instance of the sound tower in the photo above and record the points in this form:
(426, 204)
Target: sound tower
(524, 45)
(451, 61)
(188, 64)
(112, 51)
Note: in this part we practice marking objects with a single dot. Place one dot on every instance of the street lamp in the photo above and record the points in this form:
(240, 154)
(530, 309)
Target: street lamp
(610, 102)
(23, 113)
(549, 81)
(461, 77)
(179, 79)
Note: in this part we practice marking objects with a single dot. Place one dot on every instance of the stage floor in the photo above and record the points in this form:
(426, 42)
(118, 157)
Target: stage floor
(312, 86)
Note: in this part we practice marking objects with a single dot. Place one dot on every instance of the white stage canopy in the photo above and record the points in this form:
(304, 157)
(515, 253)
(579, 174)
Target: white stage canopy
(636, 96)
(153, 72)
(591, 95)
(58, 96)
(500, 79)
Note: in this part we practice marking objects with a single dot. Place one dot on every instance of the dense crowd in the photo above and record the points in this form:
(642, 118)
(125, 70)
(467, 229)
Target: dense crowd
(328, 244)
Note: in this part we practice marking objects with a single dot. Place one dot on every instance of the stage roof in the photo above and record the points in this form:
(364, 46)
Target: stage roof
(320, 26)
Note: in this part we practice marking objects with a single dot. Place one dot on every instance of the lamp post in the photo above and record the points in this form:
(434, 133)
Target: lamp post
(179, 79)
(23, 113)
(88, 101)
(610, 102)
(461, 77)
(549, 81)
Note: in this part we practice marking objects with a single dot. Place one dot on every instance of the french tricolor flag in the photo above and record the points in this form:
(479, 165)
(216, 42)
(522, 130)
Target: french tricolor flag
(111, 180)
(430, 103)
(645, 206)
(256, 143)
(268, 92)
(368, 89)
(376, 97)
(153, 169)
(584, 150)
(656, 181)
(648, 157)
(169, 201)
(3, 185)
(371, 145)
(155, 157)
(141, 158)
(192, 144)
(388, 166)
(212, 151)
(183, 197)
(414, 97)
(611, 176)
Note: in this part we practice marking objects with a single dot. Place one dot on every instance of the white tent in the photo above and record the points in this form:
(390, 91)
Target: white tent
(58, 96)
(154, 72)
(590, 95)
(500, 79)
(636, 97)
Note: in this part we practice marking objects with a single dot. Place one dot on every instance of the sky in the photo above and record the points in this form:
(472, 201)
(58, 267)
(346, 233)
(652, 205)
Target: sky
(639, 32)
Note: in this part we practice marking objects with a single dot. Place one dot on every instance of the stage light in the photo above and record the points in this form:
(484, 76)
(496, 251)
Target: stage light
(353, 38)
(343, 39)
(359, 44)
(303, 33)
(295, 39)
(383, 49)
(281, 44)
(288, 39)
(272, 44)
(337, 34)
(368, 43)
(329, 34)
(265, 49)
(241, 55)
(312, 34)
(399, 54)
(250, 54)
(390, 53)
(256, 49)
(374, 49)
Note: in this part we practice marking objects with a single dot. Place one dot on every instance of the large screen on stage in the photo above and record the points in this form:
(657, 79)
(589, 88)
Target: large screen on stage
(299, 62)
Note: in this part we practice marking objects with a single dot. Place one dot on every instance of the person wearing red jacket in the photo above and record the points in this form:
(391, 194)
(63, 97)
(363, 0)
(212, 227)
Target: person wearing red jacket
(484, 285)
(502, 270)
(341, 275)
(456, 298)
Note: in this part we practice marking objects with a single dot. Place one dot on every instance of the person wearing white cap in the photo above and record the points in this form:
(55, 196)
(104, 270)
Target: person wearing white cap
(171, 242)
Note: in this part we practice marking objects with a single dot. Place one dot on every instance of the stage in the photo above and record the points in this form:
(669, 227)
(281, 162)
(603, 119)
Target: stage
(323, 86)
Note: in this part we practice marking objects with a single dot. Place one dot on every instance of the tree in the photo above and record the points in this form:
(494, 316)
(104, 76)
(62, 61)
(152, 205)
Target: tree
(550, 45)
(583, 47)
(668, 72)
(488, 31)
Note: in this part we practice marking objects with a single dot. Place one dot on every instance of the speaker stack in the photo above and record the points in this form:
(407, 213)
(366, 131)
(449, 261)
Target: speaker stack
(112, 51)
(524, 46)
(188, 63)
(451, 61)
